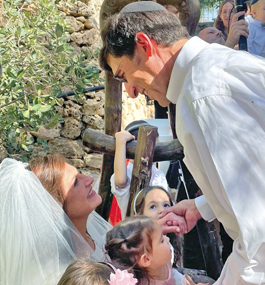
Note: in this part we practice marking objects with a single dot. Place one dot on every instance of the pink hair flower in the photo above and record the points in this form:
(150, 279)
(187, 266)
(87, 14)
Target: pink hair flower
(122, 277)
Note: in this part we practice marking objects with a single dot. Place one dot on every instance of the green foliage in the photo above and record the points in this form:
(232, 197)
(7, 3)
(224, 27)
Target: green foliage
(37, 62)
(210, 3)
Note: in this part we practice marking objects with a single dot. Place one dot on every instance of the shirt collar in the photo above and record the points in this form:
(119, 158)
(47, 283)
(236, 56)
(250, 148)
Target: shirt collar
(181, 66)
(258, 23)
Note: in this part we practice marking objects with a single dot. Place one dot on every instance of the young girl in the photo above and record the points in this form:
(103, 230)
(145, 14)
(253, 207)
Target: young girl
(138, 243)
(150, 202)
(83, 272)
(121, 178)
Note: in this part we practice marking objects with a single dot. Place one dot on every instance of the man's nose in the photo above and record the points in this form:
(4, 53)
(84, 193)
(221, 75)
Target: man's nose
(131, 90)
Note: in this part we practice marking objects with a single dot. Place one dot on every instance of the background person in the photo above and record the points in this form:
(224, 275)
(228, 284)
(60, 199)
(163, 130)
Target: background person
(225, 13)
(210, 85)
(256, 40)
(212, 35)
(237, 29)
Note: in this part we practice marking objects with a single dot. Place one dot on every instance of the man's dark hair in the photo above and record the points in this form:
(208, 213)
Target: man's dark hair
(119, 32)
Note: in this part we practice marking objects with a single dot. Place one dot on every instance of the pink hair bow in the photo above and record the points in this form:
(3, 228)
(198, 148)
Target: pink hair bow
(122, 277)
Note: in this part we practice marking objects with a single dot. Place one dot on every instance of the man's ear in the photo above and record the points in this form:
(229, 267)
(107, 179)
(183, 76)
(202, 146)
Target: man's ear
(145, 260)
(144, 43)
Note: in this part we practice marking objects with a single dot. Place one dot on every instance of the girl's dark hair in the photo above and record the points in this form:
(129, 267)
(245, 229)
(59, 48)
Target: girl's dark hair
(128, 240)
(139, 199)
(133, 127)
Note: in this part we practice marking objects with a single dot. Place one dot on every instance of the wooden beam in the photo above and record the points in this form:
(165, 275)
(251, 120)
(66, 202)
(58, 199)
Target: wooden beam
(143, 161)
(99, 142)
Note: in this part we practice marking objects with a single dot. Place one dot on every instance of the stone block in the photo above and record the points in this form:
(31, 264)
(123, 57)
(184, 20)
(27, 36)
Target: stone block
(94, 122)
(78, 163)
(72, 128)
(3, 153)
(66, 147)
(93, 107)
(75, 26)
(93, 160)
(48, 134)
(86, 37)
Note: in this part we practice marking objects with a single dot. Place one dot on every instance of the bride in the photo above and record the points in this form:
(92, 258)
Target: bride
(74, 193)
(38, 237)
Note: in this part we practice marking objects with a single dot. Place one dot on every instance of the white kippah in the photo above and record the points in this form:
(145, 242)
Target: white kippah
(142, 6)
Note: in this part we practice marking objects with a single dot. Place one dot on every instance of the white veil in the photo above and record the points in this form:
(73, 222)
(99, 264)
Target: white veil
(37, 239)
(98, 227)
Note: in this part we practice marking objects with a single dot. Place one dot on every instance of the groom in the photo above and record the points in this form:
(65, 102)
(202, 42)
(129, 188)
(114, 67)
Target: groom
(220, 121)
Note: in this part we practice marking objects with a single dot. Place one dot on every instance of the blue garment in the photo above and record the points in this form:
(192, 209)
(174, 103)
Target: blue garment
(256, 38)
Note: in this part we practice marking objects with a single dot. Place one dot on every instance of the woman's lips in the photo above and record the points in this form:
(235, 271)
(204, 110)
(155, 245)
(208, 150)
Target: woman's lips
(91, 193)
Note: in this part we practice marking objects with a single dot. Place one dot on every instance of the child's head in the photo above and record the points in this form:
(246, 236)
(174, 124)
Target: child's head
(136, 243)
(82, 272)
(151, 201)
(258, 10)
(133, 127)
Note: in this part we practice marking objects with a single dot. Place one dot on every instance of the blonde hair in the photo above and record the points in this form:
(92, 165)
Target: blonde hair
(128, 240)
(50, 169)
(82, 272)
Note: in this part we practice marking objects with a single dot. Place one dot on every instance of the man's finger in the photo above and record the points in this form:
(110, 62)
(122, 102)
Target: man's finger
(171, 229)
(165, 212)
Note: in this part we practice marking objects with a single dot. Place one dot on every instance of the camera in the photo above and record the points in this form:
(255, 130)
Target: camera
(241, 5)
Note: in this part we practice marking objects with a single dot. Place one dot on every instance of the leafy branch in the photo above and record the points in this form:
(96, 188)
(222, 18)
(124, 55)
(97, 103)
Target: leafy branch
(37, 63)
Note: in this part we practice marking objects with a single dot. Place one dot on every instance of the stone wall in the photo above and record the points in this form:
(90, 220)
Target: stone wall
(66, 138)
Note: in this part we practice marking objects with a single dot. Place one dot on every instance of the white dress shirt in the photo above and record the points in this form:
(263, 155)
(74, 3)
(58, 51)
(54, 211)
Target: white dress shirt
(122, 194)
(220, 121)
(256, 38)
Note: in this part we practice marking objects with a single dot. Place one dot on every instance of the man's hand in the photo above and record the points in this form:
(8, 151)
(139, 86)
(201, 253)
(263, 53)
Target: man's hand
(179, 227)
(186, 209)
(237, 29)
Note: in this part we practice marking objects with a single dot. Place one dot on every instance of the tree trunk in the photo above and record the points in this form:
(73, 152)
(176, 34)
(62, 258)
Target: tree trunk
(113, 112)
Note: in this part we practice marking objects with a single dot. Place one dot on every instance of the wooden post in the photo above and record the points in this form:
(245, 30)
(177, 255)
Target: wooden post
(172, 119)
(209, 243)
(113, 113)
(143, 161)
